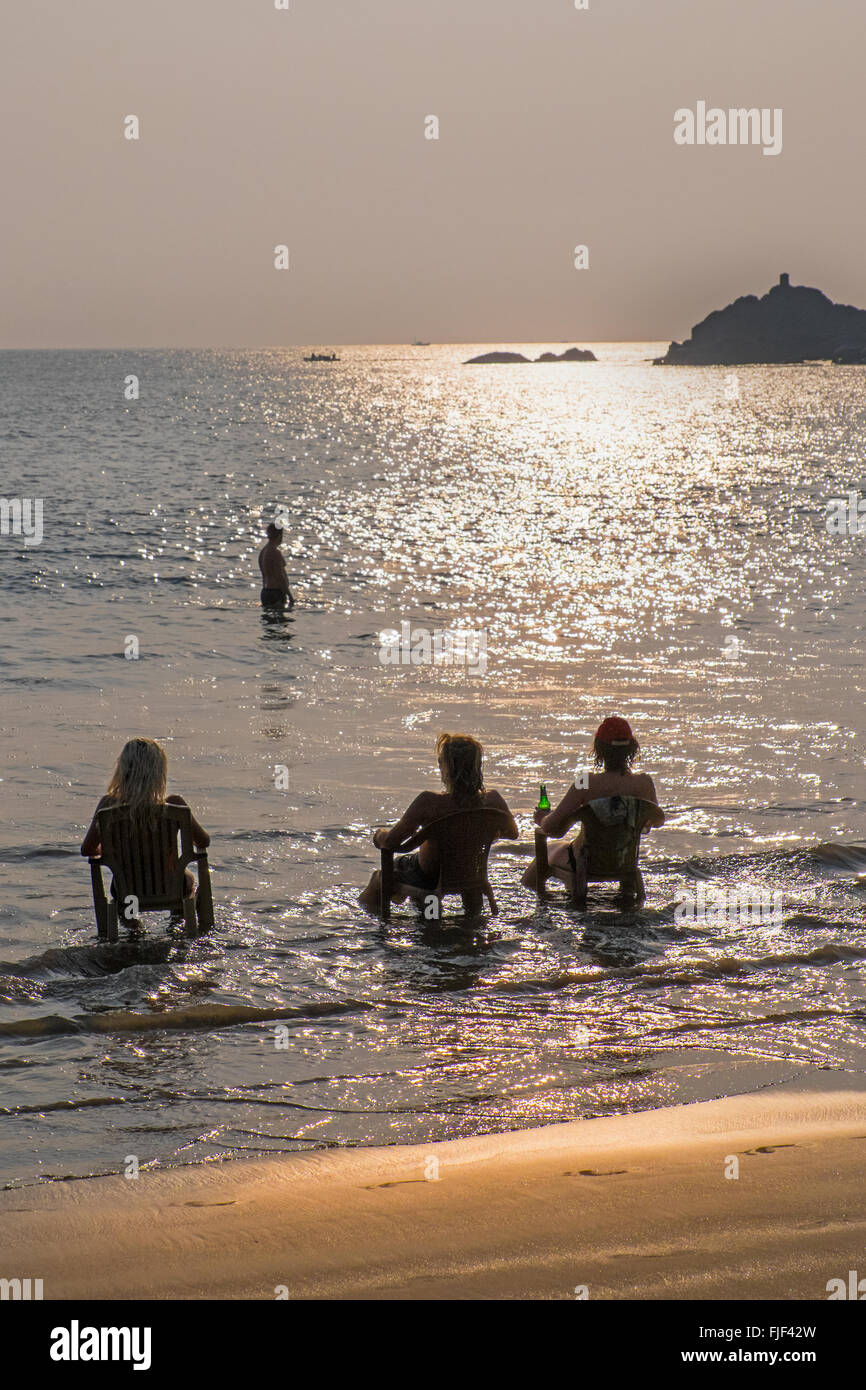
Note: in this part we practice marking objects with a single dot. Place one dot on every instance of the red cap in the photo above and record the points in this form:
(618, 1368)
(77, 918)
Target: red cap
(614, 730)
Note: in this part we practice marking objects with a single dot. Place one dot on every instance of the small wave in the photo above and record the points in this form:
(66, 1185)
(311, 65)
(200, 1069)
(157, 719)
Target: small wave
(847, 856)
(83, 1103)
(851, 857)
(15, 854)
(195, 1016)
(89, 961)
(683, 971)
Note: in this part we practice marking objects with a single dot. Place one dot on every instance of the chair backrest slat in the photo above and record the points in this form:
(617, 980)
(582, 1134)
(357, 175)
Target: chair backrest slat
(463, 840)
(613, 845)
(144, 858)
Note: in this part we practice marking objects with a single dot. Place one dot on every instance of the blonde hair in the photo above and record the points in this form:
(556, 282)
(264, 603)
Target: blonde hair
(461, 755)
(139, 777)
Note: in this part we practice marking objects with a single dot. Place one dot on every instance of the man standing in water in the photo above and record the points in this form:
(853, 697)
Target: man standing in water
(275, 584)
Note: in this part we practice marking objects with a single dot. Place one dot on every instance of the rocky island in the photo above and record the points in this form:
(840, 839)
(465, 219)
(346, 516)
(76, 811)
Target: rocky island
(791, 323)
(574, 354)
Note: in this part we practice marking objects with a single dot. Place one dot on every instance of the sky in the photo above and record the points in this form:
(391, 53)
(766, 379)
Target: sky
(306, 128)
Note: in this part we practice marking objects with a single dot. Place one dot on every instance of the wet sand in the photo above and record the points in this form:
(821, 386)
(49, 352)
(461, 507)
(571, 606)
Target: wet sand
(631, 1207)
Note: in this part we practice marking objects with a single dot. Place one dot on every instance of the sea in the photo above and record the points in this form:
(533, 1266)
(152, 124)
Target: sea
(622, 538)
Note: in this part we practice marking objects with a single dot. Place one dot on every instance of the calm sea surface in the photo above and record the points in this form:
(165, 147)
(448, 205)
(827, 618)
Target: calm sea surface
(631, 539)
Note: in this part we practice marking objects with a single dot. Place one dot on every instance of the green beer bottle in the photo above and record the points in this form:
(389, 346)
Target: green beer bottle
(543, 799)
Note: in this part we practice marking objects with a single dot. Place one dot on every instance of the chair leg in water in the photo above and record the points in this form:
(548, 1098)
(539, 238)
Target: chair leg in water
(111, 933)
(580, 885)
(632, 888)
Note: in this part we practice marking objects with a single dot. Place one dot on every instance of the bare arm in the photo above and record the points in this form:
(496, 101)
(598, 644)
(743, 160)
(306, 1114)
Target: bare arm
(412, 819)
(654, 815)
(558, 821)
(200, 837)
(90, 845)
(498, 803)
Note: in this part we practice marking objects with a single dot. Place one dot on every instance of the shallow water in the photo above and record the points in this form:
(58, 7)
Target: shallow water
(610, 527)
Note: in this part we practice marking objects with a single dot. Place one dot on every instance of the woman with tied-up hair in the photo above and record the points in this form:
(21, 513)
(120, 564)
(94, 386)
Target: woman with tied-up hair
(459, 757)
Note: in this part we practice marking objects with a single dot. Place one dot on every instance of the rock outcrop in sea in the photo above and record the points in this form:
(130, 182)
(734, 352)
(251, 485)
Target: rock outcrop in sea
(791, 323)
(574, 354)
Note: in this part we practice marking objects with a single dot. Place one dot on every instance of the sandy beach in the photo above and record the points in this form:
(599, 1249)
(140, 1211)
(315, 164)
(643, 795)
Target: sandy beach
(630, 1207)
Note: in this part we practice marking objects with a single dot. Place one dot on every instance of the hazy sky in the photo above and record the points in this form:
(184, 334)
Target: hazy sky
(306, 127)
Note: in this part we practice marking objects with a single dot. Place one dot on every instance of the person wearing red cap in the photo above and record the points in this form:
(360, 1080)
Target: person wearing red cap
(614, 749)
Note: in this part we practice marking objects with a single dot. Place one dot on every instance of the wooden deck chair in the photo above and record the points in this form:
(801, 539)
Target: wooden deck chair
(149, 865)
(612, 827)
(463, 839)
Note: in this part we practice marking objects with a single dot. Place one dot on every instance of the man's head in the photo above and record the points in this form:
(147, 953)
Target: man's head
(275, 533)
(615, 746)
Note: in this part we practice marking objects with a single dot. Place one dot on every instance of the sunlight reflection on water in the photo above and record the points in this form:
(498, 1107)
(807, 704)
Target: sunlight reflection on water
(628, 537)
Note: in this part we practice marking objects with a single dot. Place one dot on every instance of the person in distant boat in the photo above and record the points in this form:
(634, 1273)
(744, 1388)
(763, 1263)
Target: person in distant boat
(275, 584)
(614, 749)
(139, 782)
(459, 758)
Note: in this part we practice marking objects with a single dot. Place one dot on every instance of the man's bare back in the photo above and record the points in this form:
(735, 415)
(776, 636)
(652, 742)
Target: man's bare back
(275, 582)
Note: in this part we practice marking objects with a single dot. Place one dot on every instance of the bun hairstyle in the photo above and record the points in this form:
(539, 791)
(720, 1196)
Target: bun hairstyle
(460, 757)
(139, 778)
(615, 747)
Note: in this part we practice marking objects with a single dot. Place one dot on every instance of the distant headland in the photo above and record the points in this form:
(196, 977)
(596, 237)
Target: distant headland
(791, 323)
(574, 354)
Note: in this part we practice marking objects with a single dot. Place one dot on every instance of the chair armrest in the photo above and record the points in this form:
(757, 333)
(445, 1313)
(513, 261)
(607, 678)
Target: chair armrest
(386, 882)
(100, 901)
(542, 864)
(204, 895)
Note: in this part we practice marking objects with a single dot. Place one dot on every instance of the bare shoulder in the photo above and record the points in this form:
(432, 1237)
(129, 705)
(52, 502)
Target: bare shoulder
(647, 787)
(496, 800)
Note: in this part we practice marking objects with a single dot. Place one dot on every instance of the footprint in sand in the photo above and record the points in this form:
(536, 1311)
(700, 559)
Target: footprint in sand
(398, 1182)
(594, 1173)
(232, 1203)
(769, 1148)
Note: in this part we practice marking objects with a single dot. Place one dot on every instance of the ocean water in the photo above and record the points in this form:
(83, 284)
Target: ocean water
(628, 539)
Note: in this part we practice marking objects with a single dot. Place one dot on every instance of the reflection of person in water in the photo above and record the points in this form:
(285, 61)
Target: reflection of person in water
(275, 583)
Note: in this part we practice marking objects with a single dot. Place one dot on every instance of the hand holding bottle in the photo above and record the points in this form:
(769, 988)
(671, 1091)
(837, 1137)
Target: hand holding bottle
(543, 807)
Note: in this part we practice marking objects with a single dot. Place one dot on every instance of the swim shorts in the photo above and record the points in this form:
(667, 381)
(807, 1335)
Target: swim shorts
(407, 868)
(273, 598)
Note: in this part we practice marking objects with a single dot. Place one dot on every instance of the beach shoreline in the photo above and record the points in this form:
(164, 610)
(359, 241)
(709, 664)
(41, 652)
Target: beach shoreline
(621, 1207)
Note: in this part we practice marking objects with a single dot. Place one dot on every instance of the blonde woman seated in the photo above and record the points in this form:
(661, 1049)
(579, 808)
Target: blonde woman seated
(615, 749)
(459, 758)
(139, 782)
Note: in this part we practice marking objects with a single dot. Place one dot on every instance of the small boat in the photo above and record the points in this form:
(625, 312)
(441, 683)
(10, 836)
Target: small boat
(322, 357)
(418, 343)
